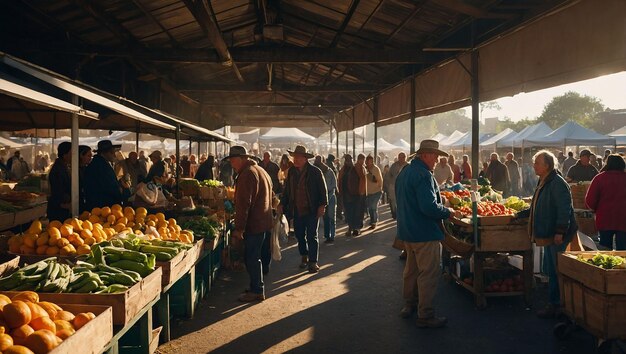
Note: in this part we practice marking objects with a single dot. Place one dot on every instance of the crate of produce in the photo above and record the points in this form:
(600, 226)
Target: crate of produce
(495, 220)
(94, 336)
(579, 191)
(600, 314)
(8, 263)
(503, 238)
(176, 267)
(30, 214)
(576, 266)
(586, 224)
(125, 304)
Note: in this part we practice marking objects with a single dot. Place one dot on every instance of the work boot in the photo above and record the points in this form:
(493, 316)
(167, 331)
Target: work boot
(431, 322)
(305, 262)
(251, 297)
(407, 311)
(372, 227)
(348, 233)
(313, 267)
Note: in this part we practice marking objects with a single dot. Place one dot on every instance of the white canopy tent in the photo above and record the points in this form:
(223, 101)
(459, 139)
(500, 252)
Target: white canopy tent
(492, 143)
(286, 135)
(383, 145)
(569, 134)
(456, 135)
(4, 142)
(536, 131)
(619, 135)
(403, 144)
(439, 137)
(465, 141)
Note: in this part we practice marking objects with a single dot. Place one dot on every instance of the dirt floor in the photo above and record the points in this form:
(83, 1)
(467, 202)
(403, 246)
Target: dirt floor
(352, 305)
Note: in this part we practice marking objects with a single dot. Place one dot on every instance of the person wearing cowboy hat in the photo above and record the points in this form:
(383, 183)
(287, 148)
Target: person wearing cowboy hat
(420, 212)
(305, 199)
(253, 218)
(101, 185)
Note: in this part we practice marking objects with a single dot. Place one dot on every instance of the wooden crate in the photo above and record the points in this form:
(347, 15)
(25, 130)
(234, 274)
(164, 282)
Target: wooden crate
(600, 314)
(503, 238)
(9, 263)
(579, 191)
(28, 215)
(605, 281)
(7, 220)
(125, 305)
(176, 267)
(495, 220)
(586, 225)
(92, 337)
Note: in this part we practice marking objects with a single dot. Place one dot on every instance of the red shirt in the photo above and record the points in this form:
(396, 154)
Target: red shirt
(607, 197)
(456, 171)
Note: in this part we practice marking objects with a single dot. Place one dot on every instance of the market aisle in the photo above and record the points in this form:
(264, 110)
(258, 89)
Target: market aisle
(351, 306)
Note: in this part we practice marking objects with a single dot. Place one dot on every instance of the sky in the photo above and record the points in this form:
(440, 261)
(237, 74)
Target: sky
(610, 89)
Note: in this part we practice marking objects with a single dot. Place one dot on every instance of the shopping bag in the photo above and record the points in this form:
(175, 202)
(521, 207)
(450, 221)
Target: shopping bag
(275, 243)
(148, 192)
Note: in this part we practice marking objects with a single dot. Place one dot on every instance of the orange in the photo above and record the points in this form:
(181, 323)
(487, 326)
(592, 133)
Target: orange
(43, 239)
(36, 311)
(87, 225)
(54, 224)
(16, 314)
(41, 250)
(43, 323)
(18, 349)
(65, 333)
(63, 242)
(89, 241)
(52, 251)
(111, 219)
(27, 250)
(66, 230)
(105, 212)
(141, 211)
(118, 214)
(30, 240)
(96, 212)
(94, 219)
(64, 315)
(20, 334)
(50, 308)
(42, 341)
(83, 249)
(84, 216)
(116, 207)
(81, 319)
(62, 324)
(5, 342)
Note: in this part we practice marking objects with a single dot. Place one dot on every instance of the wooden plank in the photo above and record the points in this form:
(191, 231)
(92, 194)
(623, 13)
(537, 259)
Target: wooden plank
(9, 263)
(504, 238)
(125, 305)
(28, 215)
(495, 220)
(93, 337)
(175, 268)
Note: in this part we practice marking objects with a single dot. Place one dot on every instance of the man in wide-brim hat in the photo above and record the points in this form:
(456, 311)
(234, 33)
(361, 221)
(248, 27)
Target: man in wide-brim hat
(305, 198)
(102, 187)
(420, 212)
(253, 218)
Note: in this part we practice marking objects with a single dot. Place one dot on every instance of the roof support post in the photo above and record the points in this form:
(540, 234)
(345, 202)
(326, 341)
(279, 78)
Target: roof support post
(177, 160)
(74, 171)
(413, 113)
(375, 114)
(475, 112)
(353, 138)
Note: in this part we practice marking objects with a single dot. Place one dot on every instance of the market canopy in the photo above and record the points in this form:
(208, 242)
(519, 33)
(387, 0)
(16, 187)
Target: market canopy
(492, 143)
(439, 137)
(285, 135)
(4, 142)
(403, 144)
(465, 141)
(536, 131)
(570, 133)
(619, 135)
(456, 135)
(383, 145)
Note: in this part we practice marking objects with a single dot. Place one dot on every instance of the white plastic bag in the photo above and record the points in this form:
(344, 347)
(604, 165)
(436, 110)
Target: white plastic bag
(284, 229)
(275, 243)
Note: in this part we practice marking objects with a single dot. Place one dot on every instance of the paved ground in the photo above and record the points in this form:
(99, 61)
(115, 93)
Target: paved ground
(352, 305)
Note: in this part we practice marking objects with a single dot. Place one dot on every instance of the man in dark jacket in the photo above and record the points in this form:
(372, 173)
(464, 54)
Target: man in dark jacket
(272, 169)
(305, 198)
(498, 174)
(514, 173)
(583, 170)
(205, 170)
(101, 186)
(253, 217)
(59, 202)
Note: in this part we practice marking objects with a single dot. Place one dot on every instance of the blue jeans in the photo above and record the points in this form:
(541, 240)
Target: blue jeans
(549, 264)
(330, 217)
(266, 253)
(606, 239)
(372, 206)
(253, 244)
(305, 228)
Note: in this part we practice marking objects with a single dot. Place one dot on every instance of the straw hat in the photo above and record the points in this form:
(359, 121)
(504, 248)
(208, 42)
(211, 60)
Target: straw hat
(429, 146)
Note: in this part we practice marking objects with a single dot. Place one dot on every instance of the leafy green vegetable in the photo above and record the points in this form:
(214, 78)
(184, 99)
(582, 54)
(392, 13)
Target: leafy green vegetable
(605, 261)
(212, 183)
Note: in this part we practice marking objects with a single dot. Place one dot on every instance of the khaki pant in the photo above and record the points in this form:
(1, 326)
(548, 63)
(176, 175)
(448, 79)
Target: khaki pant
(421, 275)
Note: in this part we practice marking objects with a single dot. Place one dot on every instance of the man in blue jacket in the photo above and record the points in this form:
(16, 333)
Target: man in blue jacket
(420, 212)
(101, 186)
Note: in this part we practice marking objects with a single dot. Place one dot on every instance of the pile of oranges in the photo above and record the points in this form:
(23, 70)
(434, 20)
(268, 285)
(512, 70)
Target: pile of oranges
(75, 236)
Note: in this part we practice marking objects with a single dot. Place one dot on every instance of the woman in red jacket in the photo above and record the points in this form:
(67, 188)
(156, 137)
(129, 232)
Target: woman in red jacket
(607, 197)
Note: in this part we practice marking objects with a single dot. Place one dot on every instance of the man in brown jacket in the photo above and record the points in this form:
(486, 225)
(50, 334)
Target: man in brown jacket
(352, 187)
(253, 217)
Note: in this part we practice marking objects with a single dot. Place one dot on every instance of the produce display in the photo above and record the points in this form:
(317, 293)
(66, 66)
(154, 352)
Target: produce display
(516, 203)
(208, 227)
(488, 208)
(32, 326)
(605, 261)
(76, 236)
(211, 183)
(508, 284)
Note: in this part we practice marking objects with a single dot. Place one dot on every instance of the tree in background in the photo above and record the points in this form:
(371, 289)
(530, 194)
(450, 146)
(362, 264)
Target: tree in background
(571, 106)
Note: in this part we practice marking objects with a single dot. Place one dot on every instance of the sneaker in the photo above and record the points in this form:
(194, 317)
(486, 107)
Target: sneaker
(407, 311)
(550, 311)
(356, 232)
(305, 262)
(431, 322)
(313, 267)
(251, 297)
(372, 227)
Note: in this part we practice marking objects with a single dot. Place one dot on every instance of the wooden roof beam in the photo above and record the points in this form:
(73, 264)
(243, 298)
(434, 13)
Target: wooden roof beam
(278, 88)
(281, 55)
(200, 12)
(467, 9)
